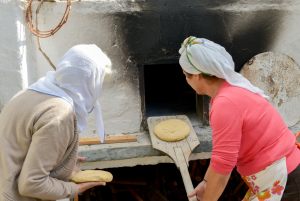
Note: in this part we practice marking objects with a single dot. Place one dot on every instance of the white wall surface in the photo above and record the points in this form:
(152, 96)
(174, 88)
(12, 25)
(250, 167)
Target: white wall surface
(12, 50)
(21, 62)
(89, 22)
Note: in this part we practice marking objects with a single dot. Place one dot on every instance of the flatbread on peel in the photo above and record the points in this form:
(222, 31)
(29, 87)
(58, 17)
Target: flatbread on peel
(171, 130)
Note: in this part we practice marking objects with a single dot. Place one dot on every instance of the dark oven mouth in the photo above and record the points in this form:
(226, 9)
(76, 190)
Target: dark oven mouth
(166, 91)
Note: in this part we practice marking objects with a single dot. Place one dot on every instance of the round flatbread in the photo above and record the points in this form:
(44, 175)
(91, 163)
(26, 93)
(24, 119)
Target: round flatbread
(172, 130)
(92, 175)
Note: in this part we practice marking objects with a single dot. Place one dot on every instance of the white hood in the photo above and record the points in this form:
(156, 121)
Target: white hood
(78, 80)
(199, 55)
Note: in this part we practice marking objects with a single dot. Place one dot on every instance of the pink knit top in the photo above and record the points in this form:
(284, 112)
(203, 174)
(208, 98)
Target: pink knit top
(248, 132)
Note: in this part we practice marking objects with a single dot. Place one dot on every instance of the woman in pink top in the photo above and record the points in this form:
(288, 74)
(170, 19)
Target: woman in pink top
(247, 132)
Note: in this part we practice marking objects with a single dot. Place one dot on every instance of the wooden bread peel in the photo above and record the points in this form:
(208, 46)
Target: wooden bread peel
(76, 197)
(178, 151)
(110, 139)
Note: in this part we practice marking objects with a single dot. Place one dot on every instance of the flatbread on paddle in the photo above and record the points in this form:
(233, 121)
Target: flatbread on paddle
(171, 130)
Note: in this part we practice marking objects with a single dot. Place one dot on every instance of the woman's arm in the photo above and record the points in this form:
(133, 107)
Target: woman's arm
(215, 184)
(53, 132)
(211, 188)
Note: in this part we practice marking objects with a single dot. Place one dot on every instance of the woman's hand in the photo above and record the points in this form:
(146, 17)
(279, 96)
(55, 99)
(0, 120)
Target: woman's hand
(212, 187)
(87, 185)
(199, 191)
(79, 160)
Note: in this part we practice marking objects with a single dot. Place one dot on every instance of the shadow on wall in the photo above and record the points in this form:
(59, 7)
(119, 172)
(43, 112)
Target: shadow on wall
(154, 33)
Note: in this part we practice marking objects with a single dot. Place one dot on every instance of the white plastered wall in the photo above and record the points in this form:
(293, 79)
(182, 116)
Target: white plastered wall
(13, 69)
(90, 23)
(87, 23)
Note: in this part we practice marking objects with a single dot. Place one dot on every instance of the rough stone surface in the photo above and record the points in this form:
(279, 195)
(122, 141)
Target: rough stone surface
(141, 152)
(278, 75)
(136, 151)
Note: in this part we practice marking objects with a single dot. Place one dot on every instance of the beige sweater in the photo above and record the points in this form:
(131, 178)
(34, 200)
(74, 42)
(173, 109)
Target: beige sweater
(38, 148)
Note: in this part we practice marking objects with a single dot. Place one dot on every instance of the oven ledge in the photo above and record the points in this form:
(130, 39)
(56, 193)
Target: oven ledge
(141, 152)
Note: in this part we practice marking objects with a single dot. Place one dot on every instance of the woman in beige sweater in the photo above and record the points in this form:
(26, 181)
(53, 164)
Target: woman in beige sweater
(39, 128)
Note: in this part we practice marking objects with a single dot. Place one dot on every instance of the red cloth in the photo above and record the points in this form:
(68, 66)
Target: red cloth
(248, 132)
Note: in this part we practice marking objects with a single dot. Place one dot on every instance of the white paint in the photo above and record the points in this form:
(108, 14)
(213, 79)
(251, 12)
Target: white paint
(4, 1)
(22, 53)
(10, 75)
(257, 5)
(288, 40)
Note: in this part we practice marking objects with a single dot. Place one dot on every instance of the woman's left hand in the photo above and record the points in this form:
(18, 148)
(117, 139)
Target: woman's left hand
(80, 159)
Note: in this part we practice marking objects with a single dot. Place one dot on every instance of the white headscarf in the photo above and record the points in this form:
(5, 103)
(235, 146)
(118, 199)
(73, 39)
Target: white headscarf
(199, 55)
(78, 80)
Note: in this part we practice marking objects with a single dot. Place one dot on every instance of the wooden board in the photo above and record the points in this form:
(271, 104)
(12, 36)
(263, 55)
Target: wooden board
(179, 151)
(110, 139)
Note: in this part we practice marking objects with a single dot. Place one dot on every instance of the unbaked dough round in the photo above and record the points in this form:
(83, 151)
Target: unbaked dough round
(172, 130)
(91, 176)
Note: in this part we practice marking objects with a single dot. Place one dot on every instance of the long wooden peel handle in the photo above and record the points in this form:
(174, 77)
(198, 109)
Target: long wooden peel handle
(108, 140)
(76, 197)
(184, 172)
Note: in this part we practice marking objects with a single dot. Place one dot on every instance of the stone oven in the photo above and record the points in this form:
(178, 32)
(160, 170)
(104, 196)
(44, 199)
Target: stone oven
(142, 38)
(153, 33)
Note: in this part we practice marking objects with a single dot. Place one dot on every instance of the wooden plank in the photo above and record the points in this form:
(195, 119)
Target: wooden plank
(186, 150)
(110, 139)
(76, 197)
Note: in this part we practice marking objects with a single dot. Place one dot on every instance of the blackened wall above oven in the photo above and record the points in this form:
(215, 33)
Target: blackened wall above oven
(153, 34)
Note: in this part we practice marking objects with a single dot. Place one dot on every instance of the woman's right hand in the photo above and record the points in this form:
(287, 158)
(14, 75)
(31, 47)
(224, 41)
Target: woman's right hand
(87, 185)
(199, 191)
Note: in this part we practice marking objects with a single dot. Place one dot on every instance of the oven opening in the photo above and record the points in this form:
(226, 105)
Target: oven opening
(167, 92)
